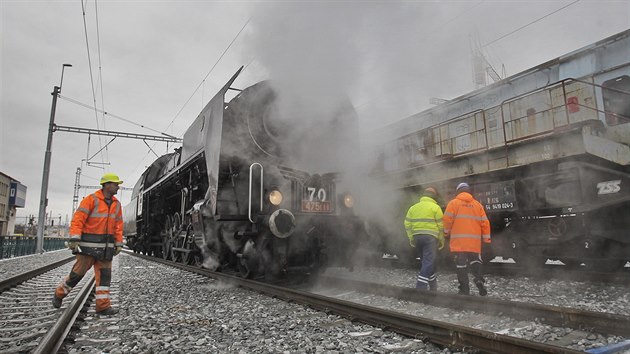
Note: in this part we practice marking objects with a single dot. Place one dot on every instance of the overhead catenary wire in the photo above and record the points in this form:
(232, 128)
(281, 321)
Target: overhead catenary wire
(194, 92)
(113, 115)
(100, 70)
(529, 24)
(208, 74)
(145, 143)
(111, 141)
(87, 45)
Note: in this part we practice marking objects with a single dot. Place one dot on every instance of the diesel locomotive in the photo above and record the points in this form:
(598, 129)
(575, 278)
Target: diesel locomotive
(240, 194)
(547, 151)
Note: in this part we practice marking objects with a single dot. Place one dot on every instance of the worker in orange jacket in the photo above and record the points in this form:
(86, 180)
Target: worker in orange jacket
(95, 238)
(466, 226)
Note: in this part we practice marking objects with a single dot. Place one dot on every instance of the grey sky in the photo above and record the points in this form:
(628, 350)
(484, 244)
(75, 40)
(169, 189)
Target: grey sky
(388, 57)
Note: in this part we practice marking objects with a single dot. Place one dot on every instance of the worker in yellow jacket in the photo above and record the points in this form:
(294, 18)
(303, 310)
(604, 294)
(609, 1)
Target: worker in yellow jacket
(423, 224)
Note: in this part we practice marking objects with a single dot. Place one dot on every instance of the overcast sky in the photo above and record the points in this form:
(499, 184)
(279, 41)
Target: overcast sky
(149, 60)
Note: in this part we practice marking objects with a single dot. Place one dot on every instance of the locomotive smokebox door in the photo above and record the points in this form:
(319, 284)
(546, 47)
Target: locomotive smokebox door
(282, 223)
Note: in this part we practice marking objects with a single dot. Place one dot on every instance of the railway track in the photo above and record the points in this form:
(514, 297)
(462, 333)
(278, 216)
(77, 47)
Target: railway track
(29, 322)
(550, 271)
(552, 315)
(438, 332)
(544, 272)
(10, 282)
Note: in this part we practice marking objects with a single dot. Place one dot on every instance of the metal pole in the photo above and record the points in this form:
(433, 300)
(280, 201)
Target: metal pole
(43, 199)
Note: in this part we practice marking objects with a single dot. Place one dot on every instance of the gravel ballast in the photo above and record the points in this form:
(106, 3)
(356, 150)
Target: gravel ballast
(166, 310)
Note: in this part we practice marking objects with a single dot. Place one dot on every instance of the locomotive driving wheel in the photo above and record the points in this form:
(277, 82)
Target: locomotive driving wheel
(167, 234)
(175, 239)
(195, 259)
(186, 257)
(187, 241)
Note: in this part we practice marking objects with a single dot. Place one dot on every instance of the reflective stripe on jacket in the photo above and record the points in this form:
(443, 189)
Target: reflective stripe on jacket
(466, 223)
(97, 227)
(424, 218)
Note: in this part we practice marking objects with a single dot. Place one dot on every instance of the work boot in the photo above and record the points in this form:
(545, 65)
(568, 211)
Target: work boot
(107, 312)
(421, 286)
(464, 290)
(482, 289)
(56, 302)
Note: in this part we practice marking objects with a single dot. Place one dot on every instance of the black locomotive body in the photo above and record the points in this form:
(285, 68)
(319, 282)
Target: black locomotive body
(231, 198)
(546, 151)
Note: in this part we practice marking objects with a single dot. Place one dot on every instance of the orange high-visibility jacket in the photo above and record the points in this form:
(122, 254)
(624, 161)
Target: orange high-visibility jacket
(466, 224)
(97, 227)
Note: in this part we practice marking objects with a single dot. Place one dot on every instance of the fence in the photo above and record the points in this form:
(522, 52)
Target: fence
(14, 246)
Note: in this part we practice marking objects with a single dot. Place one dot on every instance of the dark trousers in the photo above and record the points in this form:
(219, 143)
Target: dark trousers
(464, 260)
(426, 246)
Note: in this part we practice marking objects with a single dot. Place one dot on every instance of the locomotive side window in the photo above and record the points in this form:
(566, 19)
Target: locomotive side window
(616, 94)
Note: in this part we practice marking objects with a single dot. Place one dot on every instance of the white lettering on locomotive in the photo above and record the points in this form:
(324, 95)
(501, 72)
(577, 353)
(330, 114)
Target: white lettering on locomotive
(321, 194)
(609, 187)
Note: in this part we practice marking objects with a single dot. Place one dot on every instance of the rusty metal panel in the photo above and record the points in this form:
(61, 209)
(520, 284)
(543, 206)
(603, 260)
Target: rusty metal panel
(529, 115)
(445, 142)
(466, 134)
(573, 102)
(412, 149)
(580, 99)
(494, 127)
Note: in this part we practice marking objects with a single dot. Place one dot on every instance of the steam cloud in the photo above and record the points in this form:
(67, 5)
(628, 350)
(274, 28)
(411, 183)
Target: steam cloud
(318, 57)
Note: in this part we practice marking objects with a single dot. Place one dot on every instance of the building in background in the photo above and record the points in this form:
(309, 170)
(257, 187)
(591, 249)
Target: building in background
(12, 196)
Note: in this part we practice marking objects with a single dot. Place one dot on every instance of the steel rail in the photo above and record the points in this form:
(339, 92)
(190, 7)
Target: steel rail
(548, 271)
(438, 332)
(9, 283)
(545, 271)
(56, 335)
(606, 323)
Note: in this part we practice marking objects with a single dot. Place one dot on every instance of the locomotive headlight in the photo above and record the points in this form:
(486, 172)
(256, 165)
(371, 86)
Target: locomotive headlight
(275, 197)
(348, 200)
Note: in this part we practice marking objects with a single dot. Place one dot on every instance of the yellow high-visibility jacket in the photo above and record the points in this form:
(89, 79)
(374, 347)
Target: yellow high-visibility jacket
(425, 218)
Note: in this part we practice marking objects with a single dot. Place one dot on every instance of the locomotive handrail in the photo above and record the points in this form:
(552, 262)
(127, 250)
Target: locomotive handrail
(446, 146)
(550, 120)
(544, 89)
(565, 104)
(249, 206)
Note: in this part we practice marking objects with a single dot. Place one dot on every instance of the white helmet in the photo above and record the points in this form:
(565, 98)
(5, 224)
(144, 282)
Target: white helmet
(462, 185)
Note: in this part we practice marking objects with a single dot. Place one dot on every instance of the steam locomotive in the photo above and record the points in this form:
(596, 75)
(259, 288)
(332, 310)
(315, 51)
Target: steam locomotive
(547, 151)
(237, 195)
